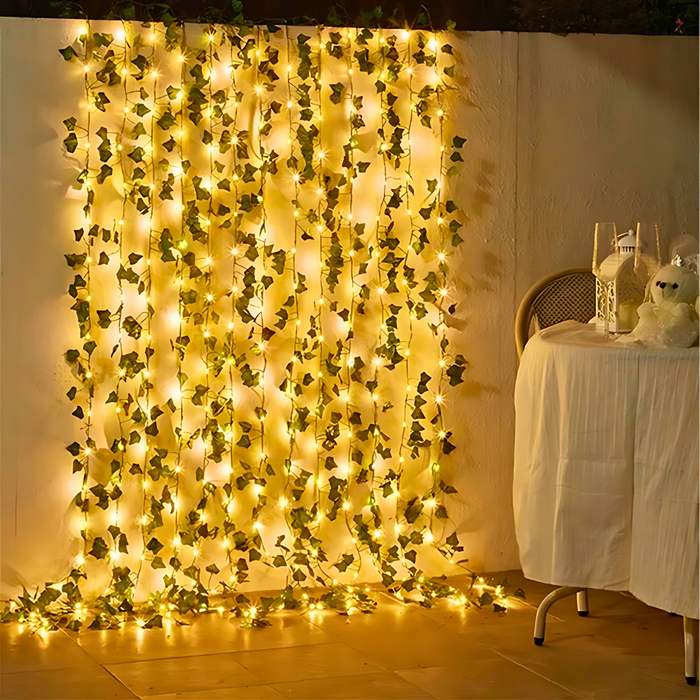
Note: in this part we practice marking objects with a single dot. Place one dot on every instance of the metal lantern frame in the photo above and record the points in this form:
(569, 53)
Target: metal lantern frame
(628, 273)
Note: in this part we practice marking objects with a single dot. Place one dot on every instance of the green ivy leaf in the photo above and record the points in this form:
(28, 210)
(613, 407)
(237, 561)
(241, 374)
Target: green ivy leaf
(71, 142)
(68, 53)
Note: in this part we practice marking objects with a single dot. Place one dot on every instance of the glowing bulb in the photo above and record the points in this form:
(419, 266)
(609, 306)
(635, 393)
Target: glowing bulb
(176, 541)
(290, 104)
(79, 560)
(442, 434)
(346, 505)
(443, 292)
(428, 537)
(120, 35)
(438, 399)
(210, 297)
(319, 191)
(441, 257)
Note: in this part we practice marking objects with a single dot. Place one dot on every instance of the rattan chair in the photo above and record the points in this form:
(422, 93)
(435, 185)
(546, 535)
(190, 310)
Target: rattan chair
(563, 296)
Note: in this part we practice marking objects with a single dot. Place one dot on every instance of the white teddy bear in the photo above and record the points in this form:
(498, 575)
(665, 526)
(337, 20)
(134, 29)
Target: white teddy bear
(670, 319)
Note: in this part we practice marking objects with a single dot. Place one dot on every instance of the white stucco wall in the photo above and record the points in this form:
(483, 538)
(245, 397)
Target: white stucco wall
(562, 132)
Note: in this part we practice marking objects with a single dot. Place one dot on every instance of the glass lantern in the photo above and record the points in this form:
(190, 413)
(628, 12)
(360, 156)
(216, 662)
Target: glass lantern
(621, 277)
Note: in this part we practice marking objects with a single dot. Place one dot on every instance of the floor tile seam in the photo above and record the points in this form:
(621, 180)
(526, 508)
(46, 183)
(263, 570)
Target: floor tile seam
(225, 653)
(432, 695)
(121, 683)
(44, 669)
(572, 691)
(674, 683)
(248, 684)
(215, 653)
(354, 675)
(340, 678)
(71, 668)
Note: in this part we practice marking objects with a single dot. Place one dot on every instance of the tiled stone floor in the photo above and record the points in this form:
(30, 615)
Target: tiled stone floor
(624, 649)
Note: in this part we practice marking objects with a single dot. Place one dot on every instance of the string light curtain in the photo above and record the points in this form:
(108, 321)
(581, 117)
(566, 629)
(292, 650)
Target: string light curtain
(261, 285)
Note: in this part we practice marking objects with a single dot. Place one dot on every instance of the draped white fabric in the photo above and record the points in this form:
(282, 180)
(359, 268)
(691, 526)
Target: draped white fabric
(606, 466)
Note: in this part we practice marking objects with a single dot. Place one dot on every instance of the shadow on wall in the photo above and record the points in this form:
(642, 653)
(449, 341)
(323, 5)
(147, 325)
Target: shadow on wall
(481, 198)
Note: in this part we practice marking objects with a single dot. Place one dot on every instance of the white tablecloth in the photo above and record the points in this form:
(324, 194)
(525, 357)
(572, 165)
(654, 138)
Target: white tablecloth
(606, 466)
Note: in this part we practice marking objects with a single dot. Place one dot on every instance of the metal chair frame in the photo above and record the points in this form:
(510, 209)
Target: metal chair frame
(523, 319)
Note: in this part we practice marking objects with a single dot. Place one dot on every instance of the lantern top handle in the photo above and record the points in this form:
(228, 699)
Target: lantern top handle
(627, 241)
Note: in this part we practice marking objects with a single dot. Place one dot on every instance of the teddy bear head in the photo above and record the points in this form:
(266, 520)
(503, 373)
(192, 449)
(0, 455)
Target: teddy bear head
(674, 284)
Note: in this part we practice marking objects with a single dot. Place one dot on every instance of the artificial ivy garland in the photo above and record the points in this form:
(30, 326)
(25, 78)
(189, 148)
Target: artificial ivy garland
(213, 171)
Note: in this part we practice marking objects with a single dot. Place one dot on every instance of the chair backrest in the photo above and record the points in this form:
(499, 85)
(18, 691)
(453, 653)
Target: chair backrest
(563, 296)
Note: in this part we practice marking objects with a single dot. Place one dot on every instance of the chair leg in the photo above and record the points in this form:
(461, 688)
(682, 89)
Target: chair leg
(690, 632)
(544, 607)
(582, 602)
